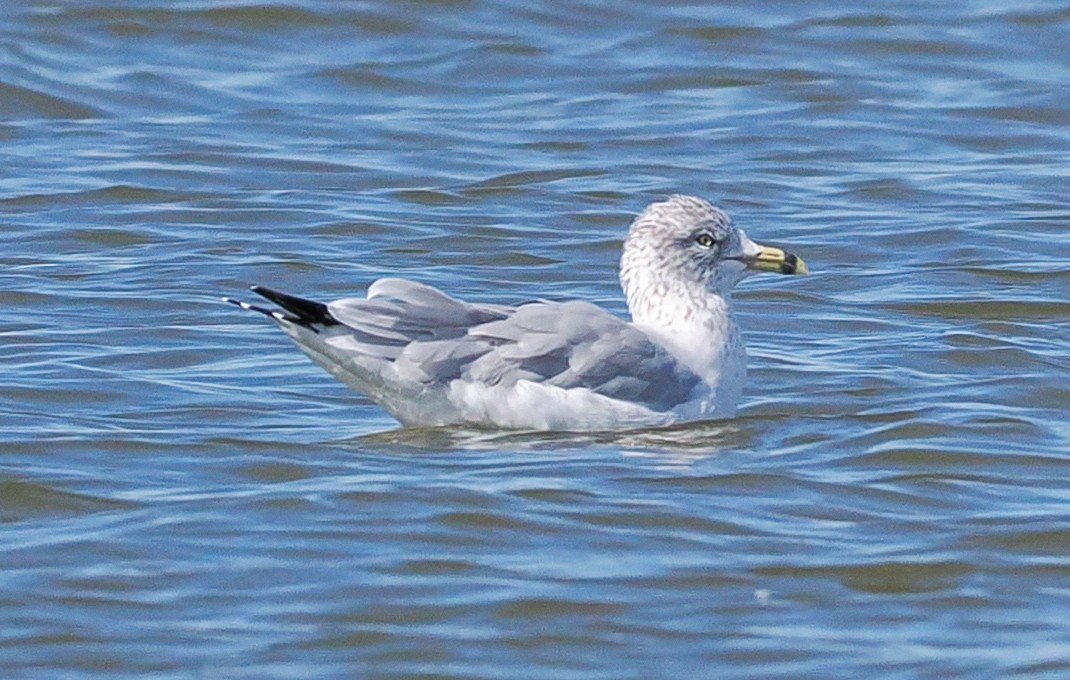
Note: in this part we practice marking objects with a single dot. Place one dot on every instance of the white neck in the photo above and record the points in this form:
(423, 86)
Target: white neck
(697, 327)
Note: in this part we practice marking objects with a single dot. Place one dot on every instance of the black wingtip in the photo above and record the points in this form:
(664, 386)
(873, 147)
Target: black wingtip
(274, 314)
(307, 312)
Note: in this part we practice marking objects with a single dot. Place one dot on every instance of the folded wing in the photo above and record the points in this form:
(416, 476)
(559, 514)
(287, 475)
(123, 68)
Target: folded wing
(424, 337)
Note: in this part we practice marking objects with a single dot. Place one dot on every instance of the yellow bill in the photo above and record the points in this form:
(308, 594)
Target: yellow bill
(771, 259)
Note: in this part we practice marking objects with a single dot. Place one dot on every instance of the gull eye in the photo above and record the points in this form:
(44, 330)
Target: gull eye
(705, 240)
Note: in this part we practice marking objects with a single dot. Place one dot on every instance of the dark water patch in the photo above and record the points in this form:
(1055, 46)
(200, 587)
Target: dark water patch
(1050, 273)
(986, 310)
(261, 16)
(1001, 358)
(350, 229)
(433, 567)
(430, 197)
(555, 608)
(888, 577)
(275, 471)
(1039, 17)
(265, 162)
(130, 29)
(519, 179)
(258, 16)
(715, 34)
(555, 496)
(906, 456)
(117, 194)
(1051, 396)
(892, 189)
(651, 518)
(1015, 538)
(1053, 668)
(18, 102)
(895, 43)
(26, 298)
(693, 82)
(363, 78)
(21, 500)
(555, 146)
(519, 259)
(111, 237)
(1045, 115)
(857, 20)
(409, 250)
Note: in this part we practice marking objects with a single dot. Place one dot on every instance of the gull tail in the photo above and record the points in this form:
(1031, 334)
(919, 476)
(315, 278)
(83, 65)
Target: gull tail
(299, 311)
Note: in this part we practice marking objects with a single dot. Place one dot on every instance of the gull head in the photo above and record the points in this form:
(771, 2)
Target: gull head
(685, 246)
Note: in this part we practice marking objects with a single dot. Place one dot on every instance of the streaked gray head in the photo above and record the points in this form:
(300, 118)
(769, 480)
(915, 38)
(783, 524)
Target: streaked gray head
(684, 250)
(685, 240)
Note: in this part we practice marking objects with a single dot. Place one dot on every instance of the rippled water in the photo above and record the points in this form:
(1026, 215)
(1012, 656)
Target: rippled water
(184, 495)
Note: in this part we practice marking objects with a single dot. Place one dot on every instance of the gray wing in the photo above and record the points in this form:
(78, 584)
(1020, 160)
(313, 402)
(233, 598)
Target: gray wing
(577, 344)
(398, 313)
(433, 339)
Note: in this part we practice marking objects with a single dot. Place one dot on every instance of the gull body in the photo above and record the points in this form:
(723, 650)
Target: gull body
(430, 359)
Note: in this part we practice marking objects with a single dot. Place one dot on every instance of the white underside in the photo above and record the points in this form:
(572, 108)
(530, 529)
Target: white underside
(534, 406)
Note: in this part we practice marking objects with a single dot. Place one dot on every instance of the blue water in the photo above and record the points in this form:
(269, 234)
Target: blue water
(184, 495)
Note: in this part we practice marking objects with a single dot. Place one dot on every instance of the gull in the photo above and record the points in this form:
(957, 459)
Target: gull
(432, 360)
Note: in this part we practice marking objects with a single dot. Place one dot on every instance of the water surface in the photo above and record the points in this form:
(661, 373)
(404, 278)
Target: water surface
(184, 495)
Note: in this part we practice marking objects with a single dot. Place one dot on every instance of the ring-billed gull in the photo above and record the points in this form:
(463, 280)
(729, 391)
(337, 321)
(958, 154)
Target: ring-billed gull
(430, 359)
